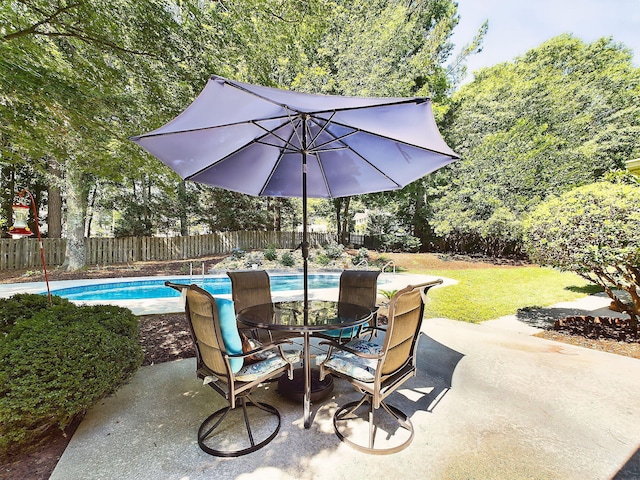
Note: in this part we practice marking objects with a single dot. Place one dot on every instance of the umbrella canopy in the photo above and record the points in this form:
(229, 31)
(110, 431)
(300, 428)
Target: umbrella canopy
(256, 140)
(266, 141)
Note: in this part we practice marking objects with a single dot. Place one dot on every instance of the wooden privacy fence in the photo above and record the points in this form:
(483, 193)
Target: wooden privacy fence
(25, 252)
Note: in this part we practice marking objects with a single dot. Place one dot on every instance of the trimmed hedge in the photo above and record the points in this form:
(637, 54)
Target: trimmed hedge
(57, 361)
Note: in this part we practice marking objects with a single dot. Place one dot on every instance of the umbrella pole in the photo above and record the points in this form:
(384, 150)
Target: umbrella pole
(305, 267)
(305, 234)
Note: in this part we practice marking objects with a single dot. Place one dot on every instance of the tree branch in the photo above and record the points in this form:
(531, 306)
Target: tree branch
(33, 28)
(71, 32)
(100, 41)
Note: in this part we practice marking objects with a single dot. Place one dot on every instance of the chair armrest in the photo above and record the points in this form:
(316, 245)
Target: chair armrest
(263, 348)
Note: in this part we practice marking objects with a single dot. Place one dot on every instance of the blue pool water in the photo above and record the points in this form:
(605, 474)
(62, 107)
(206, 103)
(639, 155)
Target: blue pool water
(146, 289)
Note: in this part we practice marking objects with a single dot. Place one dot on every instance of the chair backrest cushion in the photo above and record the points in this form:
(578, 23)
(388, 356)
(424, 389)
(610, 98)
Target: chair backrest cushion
(229, 330)
(204, 312)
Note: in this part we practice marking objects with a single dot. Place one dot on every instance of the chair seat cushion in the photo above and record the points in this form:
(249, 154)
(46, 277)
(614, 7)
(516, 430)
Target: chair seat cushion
(347, 363)
(254, 371)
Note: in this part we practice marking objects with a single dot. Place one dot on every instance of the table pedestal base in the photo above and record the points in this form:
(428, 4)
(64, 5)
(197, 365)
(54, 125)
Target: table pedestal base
(294, 389)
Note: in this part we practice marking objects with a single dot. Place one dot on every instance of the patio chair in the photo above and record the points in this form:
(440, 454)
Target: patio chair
(377, 370)
(357, 287)
(222, 365)
(249, 288)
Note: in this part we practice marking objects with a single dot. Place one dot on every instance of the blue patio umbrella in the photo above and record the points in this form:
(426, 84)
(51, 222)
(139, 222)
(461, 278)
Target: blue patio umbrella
(271, 142)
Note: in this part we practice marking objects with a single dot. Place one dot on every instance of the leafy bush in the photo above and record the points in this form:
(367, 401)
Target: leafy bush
(322, 259)
(237, 253)
(253, 258)
(400, 243)
(56, 362)
(333, 250)
(287, 259)
(592, 231)
(270, 253)
(361, 255)
(22, 306)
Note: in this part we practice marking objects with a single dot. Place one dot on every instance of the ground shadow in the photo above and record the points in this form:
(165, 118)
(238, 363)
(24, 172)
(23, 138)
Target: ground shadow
(545, 317)
(435, 368)
(586, 289)
(631, 469)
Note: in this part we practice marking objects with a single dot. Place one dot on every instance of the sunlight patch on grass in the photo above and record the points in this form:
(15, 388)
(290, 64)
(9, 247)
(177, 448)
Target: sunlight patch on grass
(491, 293)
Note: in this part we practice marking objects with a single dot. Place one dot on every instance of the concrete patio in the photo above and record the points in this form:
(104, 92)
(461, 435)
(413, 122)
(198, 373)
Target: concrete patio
(490, 402)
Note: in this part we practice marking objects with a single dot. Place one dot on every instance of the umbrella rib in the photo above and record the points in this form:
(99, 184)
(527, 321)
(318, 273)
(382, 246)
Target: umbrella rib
(213, 127)
(227, 156)
(396, 140)
(287, 143)
(324, 176)
(339, 140)
(285, 106)
(273, 170)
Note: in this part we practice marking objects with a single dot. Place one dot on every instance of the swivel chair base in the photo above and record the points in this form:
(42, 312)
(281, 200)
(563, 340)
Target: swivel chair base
(211, 444)
(345, 416)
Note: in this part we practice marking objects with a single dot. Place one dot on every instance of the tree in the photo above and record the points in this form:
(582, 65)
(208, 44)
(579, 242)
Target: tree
(562, 115)
(592, 231)
(381, 48)
(96, 57)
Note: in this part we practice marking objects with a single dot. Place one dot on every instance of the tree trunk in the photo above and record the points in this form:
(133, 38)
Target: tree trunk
(8, 175)
(90, 210)
(76, 194)
(54, 208)
(182, 208)
(344, 239)
(277, 226)
(337, 204)
(421, 227)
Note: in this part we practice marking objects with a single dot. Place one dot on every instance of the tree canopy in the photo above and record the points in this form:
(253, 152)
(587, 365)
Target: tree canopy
(560, 116)
(77, 78)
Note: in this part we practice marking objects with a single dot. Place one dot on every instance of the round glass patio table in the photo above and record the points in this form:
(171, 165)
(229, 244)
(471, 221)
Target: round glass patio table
(290, 316)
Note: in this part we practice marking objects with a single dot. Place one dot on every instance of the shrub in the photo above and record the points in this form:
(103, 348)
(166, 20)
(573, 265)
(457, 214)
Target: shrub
(22, 306)
(400, 243)
(592, 231)
(333, 250)
(322, 259)
(287, 259)
(270, 253)
(253, 258)
(56, 362)
(361, 255)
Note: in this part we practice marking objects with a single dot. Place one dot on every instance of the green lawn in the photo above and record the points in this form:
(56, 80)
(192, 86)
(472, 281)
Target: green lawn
(490, 293)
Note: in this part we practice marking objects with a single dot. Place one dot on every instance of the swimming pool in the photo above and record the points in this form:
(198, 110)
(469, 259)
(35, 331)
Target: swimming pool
(155, 289)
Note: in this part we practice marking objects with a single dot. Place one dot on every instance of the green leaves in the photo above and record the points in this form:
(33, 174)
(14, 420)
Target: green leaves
(562, 115)
(56, 362)
(593, 231)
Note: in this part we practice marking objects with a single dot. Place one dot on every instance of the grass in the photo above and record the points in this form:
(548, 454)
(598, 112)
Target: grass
(487, 294)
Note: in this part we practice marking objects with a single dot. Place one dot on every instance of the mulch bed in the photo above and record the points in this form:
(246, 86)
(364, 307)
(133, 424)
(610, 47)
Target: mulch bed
(165, 338)
(598, 328)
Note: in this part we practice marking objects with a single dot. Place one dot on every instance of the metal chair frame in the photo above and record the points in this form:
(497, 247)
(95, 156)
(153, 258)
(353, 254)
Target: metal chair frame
(406, 310)
(236, 392)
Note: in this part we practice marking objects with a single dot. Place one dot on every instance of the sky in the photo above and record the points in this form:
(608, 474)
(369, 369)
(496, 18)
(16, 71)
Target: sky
(516, 26)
